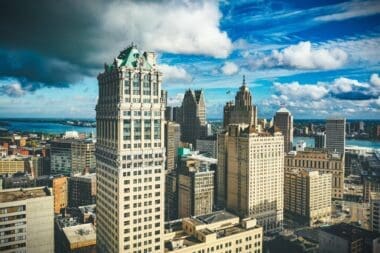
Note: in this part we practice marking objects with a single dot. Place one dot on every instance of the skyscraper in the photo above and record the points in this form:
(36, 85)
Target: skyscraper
(251, 175)
(320, 140)
(243, 111)
(335, 134)
(283, 120)
(172, 142)
(130, 154)
(193, 116)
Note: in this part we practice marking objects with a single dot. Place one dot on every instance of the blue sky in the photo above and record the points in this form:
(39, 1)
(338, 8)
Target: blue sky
(316, 57)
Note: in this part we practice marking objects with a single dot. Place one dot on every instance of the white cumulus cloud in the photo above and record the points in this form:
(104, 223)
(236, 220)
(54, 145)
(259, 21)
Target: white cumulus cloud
(304, 56)
(229, 68)
(174, 73)
(170, 26)
(12, 90)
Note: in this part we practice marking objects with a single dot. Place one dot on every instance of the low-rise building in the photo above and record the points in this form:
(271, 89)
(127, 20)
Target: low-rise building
(79, 239)
(26, 220)
(12, 164)
(344, 237)
(217, 232)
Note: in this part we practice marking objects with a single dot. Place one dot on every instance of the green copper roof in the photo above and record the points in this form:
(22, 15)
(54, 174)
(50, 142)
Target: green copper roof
(131, 57)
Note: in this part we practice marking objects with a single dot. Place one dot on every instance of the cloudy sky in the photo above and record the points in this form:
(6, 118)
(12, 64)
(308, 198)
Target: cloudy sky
(316, 57)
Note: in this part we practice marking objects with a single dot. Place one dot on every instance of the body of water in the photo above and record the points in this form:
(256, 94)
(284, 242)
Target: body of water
(44, 127)
(349, 142)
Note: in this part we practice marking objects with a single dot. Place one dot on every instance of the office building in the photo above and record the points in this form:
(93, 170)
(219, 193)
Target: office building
(374, 218)
(172, 142)
(207, 146)
(217, 232)
(60, 189)
(12, 164)
(171, 196)
(130, 155)
(71, 156)
(82, 189)
(195, 185)
(192, 117)
(283, 120)
(336, 135)
(324, 162)
(320, 140)
(250, 175)
(344, 237)
(26, 220)
(243, 111)
(307, 196)
(35, 166)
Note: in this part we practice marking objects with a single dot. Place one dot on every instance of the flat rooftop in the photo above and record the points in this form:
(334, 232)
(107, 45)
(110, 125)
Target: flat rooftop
(350, 232)
(216, 217)
(23, 194)
(80, 234)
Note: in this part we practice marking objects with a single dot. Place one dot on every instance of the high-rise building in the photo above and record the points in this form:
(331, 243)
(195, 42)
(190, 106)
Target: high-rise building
(307, 196)
(336, 135)
(243, 111)
(130, 155)
(82, 189)
(195, 185)
(283, 120)
(172, 141)
(171, 196)
(217, 232)
(320, 140)
(320, 160)
(251, 174)
(27, 220)
(193, 116)
(71, 156)
(374, 218)
(207, 146)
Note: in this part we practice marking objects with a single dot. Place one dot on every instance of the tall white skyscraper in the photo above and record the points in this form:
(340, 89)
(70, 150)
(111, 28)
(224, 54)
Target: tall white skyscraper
(336, 134)
(130, 155)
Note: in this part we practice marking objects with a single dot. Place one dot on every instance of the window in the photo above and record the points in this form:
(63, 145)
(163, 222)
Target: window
(147, 129)
(127, 129)
(136, 84)
(157, 129)
(127, 87)
(155, 86)
(137, 128)
(146, 85)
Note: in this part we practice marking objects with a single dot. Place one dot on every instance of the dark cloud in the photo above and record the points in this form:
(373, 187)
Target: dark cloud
(354, 95)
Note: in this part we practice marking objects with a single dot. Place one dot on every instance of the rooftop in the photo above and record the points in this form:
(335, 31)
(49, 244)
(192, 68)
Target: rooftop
(350, 232)
(23, 194)
(215, 217)
(81, 233)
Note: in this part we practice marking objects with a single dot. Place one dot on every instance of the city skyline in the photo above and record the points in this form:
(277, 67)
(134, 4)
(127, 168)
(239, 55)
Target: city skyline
(316, 58)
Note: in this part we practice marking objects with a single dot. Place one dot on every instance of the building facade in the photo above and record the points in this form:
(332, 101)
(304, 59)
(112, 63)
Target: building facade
(195, 186)
(253, 165)
(307, 196)
(172, 143)
(60, 189)
(82, 190)
(243, 111)
(320, 140)
(26, 220)
(71, 156)
(283, 120)
(374, 218)
(336, 135)
(12, 165)
(324, 162)
(208, 146)
(130, 155)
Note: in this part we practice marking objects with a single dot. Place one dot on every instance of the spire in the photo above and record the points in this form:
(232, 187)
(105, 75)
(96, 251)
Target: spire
(244, 80)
